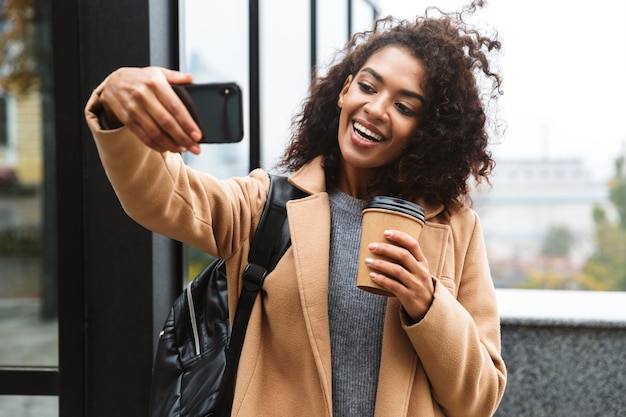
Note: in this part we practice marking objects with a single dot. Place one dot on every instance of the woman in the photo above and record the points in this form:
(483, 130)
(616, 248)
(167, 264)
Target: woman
(399, 114)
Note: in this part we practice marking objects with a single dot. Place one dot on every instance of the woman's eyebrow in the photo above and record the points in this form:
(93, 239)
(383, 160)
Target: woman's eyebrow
(408, 93)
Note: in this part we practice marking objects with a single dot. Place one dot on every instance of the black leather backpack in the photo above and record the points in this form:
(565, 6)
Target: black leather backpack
(196, 362)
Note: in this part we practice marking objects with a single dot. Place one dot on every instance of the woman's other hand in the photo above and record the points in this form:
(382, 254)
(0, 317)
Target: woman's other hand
(143, 100)
(408, 276)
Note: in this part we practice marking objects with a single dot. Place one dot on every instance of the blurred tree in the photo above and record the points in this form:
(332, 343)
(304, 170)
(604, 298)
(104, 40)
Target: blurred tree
(18, 64)
(558, 241)
(617, 191)
(551, 280)
(608, 263)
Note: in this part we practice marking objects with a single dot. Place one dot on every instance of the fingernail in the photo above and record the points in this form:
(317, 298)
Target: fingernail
(369, 261)
(388, 233)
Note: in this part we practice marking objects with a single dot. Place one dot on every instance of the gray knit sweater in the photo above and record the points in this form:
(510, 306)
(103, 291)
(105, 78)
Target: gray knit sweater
(356, 317)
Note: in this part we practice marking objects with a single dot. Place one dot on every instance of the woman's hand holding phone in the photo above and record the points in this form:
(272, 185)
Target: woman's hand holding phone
(142, 99)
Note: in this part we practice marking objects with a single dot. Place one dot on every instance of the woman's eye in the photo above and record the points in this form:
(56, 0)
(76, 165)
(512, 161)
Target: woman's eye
(405, 109)
(367, 88)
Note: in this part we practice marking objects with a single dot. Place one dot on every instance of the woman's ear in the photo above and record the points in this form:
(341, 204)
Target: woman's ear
(344, 90)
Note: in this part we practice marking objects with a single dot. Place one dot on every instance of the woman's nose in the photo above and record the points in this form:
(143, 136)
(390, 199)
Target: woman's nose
(376, 108)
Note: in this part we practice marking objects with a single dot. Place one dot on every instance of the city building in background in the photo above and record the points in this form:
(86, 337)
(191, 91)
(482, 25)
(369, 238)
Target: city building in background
(538, 219)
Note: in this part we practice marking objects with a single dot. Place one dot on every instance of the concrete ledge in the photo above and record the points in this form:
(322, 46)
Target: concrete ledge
(564, 352)
(554, 307)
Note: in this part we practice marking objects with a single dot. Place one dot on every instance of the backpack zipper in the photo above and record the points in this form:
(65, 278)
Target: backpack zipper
(192, 317)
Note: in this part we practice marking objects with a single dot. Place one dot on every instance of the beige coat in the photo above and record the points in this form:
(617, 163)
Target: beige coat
(448, 364)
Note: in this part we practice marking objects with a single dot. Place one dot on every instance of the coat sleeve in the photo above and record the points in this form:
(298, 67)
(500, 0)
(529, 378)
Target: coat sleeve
(458, 341)
(163, 194)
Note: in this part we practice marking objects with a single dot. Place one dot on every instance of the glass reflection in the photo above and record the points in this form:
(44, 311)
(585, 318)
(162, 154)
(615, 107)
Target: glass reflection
(27, 311)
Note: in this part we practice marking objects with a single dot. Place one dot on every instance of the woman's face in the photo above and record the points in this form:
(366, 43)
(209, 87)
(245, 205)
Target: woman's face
(381, 108)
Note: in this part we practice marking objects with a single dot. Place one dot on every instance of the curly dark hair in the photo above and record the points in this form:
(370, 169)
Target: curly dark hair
(450, 144)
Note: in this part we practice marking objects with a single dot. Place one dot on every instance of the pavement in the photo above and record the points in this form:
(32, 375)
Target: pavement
(27, 341)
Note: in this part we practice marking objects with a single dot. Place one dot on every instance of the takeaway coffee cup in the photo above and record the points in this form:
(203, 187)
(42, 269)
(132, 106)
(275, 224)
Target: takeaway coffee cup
(382, 213)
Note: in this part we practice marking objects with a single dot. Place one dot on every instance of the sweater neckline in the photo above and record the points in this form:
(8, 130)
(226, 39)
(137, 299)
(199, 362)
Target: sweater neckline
(346, 201)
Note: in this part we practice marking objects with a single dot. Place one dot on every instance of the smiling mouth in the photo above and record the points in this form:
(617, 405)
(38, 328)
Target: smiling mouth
(367, 134)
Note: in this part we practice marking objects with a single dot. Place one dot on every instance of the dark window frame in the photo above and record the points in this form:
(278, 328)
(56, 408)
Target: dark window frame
(4, 121)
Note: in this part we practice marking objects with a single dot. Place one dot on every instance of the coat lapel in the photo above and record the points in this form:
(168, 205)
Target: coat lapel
(310, 236)
(396, 375)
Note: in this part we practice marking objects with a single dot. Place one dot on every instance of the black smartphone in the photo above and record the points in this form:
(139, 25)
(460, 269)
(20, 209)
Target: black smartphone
(216, 108)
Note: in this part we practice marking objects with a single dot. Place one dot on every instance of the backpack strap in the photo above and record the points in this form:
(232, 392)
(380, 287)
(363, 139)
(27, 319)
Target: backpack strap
(270, 242)
(272, 239)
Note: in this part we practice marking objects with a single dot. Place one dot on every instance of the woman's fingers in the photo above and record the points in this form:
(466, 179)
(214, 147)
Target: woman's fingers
(404, 271)
(404, 249)
(144, 101)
